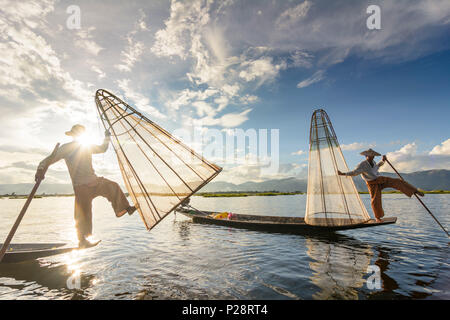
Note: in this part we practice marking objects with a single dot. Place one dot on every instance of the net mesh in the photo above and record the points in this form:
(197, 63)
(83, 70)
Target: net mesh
(159, 171)
(332, 200)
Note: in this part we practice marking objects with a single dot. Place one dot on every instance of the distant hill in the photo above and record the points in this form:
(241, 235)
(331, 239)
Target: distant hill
(282, 185)
(430, 179)
(426, 180)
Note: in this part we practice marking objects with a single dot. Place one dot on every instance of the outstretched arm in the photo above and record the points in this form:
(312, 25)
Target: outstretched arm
(60, 153)
(104, 146)
(359, 169)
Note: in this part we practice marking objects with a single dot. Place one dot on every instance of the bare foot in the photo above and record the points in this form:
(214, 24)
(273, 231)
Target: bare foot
(86, 242)
(420, 193)
(378, 220)
(83, 244)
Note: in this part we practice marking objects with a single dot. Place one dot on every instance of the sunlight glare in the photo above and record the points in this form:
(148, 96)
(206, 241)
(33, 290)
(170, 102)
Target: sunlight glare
(88, 139)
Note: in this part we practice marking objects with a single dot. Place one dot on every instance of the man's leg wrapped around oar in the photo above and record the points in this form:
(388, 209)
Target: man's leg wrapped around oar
(375, 189)
(112, 191)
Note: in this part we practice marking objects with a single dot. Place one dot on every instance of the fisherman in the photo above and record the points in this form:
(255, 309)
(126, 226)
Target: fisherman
(86, 184)
(368, 169)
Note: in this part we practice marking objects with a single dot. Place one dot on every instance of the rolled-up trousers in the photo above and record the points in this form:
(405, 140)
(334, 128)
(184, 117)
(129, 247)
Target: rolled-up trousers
(376, 186)
(84, 195)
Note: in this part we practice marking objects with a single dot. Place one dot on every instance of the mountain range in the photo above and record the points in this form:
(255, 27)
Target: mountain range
(426, 180)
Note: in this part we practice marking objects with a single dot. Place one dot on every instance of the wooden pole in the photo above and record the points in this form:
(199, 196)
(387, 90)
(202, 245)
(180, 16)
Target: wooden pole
(24, 208)
(426, 208)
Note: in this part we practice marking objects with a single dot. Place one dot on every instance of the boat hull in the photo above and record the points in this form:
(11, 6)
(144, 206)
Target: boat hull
(292, 225)
(18, 252)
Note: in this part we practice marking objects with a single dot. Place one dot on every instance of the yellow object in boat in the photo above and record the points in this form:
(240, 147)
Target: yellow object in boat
(222, 215)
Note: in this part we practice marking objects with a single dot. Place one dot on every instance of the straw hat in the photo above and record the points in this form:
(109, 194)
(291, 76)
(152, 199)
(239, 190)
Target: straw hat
(76, 130)
(369, 153)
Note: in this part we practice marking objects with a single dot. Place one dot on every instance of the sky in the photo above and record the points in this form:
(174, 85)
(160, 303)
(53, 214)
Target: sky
(226, 65)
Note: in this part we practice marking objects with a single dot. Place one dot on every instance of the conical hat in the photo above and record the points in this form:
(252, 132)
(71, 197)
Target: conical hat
(76, 130)
(369, 153)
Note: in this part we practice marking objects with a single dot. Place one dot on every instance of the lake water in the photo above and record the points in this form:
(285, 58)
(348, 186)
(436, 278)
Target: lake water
(182, 260)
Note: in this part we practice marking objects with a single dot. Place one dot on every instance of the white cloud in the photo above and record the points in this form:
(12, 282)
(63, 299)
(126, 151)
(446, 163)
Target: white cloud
(198, 51)
(210, 102)
(130, 55)
(33, 84)
(100, 73)
(134, 49)
(442, 149)
(228, 120)
(255, 172)
(408, 159)
(30, 13)
(357, 146)
(187, 96)
(141, 101)
(203, 109)
(212, 63)
(206, 39)
(248, 98)
(85, 41)
(222, 102)
(298, 153)
(334, 32)
(262, 69)
(292, 15)
(189, 32)
(231, 89)
(301, 58)
(405, 159)
(316, 77)
(185, 18)
(234, 119)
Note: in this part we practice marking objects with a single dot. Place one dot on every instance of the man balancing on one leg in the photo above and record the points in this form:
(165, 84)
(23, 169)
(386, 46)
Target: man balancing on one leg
(368, 169)
(86, 184)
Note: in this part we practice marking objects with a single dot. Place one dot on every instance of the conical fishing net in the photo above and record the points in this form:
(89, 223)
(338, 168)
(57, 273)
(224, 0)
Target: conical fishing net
(159, 171)
(332, 199)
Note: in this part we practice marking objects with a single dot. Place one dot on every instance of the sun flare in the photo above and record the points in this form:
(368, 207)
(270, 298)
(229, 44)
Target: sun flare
(84, 139)
(87, 139)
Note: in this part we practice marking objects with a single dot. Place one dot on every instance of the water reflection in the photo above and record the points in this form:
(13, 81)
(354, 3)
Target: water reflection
(388, 284)
(390, 288)
(182, 227)
(339, 265)
(179, 259)
(31, 279)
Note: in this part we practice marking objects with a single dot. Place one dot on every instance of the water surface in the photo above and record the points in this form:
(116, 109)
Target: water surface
(182, 260)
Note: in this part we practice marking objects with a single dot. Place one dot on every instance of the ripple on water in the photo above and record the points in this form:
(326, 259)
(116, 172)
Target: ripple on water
(182, 260)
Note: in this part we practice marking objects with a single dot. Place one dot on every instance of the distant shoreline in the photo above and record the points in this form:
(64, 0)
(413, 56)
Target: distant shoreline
(424, 191)
(246, 194)
(223, 194)
(275, 193)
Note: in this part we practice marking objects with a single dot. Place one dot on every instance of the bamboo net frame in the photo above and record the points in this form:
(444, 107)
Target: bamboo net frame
(159, 171)
(332, 200)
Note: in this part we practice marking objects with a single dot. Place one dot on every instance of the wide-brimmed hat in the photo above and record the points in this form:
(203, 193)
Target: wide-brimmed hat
(369, 153)
(76, 130)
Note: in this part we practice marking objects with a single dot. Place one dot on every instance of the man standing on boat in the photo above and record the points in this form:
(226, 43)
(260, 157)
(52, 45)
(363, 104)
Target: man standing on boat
(368, 169)
(86, 184)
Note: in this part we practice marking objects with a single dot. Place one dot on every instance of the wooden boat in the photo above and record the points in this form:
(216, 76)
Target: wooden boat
(18, 252)
(292, 225)
(333, 202)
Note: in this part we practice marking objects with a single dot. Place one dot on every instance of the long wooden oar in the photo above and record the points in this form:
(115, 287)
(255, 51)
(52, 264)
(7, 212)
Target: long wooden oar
(25, 207)
(426, 208)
